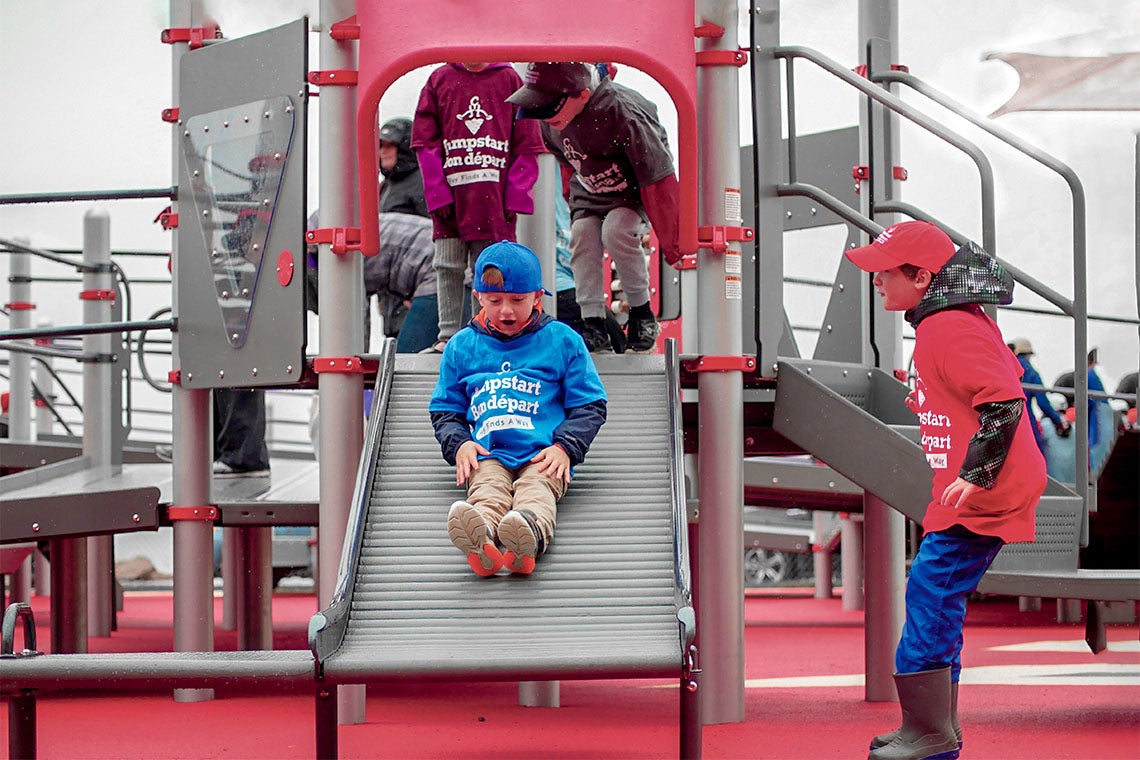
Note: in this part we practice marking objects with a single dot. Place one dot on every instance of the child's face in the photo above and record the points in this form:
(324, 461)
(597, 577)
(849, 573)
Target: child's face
(898, 291)
(508, 312)
(570, 109)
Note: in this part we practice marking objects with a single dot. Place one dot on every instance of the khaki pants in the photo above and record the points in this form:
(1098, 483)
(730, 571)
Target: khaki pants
(494, 490)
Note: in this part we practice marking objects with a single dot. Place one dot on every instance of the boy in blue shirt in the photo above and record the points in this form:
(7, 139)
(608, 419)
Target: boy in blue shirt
(517, 404)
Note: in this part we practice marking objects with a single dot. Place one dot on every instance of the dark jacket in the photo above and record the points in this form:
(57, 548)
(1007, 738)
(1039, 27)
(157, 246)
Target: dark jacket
(403, 187)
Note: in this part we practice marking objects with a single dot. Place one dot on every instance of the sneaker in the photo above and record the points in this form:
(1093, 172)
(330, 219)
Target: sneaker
(641, 335)
(596, 335)
(223, 470)
(522, 540)
(469, 531)
(164, 452)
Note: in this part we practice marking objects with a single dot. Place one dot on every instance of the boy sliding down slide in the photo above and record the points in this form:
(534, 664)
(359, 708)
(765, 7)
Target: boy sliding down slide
(517, 404)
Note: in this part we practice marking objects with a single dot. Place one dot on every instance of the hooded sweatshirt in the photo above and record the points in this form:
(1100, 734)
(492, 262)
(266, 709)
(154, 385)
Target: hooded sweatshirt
(403, 187)
(970, 402)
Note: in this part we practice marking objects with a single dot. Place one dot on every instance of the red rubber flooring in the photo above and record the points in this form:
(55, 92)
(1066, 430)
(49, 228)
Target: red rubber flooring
(1031, 690)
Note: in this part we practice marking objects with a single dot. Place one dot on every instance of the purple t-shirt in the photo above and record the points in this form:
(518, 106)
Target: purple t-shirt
(473, 152)
(616, 146)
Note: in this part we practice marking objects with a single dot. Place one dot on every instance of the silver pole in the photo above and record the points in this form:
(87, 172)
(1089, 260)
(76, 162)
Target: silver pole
(821, 559)
(98, 416)
(46, 383)
(851, 557)
(20, 389)
(884, 528)
(719, 333)
(537, 232)
(341, 331)
(193, 446)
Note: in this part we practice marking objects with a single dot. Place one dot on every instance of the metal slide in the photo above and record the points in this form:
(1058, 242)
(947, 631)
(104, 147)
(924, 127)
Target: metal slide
(609, 599)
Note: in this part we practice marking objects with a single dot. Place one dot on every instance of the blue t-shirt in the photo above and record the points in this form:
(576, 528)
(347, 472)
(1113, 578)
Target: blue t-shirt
(515, 392)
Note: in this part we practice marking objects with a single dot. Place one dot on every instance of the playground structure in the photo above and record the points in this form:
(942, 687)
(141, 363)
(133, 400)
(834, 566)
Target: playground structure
(767, 401)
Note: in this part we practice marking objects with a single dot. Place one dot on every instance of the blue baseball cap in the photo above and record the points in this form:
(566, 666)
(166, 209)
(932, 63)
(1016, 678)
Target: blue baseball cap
(522, 272)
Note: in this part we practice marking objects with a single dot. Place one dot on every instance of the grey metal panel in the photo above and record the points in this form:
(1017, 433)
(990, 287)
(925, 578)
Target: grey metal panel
(270, 64)
(1099, 585)
(795, 474)
(1056, 545)
(78, 514)
(870, 454)
(156, 670)
(601, 602)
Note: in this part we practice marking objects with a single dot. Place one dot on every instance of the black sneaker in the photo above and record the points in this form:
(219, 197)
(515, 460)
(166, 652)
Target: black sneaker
(641, 334)
(596, 335)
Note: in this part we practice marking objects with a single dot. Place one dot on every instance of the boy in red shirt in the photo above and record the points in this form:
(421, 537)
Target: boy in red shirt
(988, 471)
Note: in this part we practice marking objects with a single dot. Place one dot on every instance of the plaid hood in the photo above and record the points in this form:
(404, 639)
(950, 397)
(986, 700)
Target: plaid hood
(970, 276)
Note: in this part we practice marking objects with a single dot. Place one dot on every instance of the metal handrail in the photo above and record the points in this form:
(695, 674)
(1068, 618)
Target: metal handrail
(88, 195)
(896, 104)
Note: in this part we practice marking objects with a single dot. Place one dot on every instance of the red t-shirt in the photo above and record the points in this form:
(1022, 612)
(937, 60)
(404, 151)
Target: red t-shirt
(961, 362)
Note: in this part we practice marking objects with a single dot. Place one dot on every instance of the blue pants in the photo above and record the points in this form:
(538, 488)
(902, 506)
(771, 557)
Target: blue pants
(947, 570)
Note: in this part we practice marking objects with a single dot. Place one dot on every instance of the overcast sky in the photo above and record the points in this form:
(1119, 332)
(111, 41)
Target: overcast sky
(84, 83)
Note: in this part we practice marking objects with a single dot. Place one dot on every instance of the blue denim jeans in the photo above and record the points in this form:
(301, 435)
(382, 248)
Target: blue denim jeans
(949, 565)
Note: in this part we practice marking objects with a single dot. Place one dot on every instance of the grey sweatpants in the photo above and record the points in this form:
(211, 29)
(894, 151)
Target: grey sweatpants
(452, 259)
(620, 233)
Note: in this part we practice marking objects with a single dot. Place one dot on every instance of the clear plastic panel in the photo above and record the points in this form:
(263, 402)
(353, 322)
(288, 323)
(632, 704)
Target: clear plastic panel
(235, 158)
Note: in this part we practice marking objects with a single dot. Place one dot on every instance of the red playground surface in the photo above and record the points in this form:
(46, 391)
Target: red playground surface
(1030, 689)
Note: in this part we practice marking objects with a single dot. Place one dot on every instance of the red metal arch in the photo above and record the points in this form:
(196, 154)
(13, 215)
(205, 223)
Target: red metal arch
(397, 36)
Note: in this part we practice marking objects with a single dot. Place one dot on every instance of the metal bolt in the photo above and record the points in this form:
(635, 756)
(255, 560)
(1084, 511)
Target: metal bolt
(276, 156)
(186, 133)
(809, 370)
(256, 247)
(288, 369)
(206, 128)
(266, 114)
(221, 373)
(775, 481)
(205, 212)
(225, 124)
(813, 212)
(691, 687)
(831, 484)
(829, 328)
(213, 254)
(134, 518)
(234, 336)
(255, 371)
(265, 202)
(35, 527)
(842, 287)
(196, 173)
(225, 294)
(189, 376)
(245, 119)
(288, 109)
(245, 292)
(788, 214)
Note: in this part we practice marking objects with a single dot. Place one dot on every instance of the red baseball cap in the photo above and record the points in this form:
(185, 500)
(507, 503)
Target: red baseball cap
(919, 243)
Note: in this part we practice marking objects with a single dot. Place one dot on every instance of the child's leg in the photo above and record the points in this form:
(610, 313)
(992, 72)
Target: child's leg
(947, 570)
(471, 524)
(622, 231)
(450, 262)
(586, 262)
(528, 529)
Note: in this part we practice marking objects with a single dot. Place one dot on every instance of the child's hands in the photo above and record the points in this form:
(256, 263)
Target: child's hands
(959, 492)
(911, 403)
(555, 463)
(467, 461)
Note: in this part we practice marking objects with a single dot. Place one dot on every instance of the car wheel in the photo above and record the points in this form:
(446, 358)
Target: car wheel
(763, 567)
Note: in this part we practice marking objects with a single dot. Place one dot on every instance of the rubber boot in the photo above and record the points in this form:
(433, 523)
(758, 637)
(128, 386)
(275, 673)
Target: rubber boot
(884, 739)
(926, 732)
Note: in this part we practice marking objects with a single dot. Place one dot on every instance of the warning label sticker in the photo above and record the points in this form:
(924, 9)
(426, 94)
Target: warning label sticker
(732, 205)
(733, 288)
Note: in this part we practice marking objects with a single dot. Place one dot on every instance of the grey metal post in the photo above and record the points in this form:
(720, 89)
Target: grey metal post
(341, 331)
(229, 580)
(768, 118)
(537, 232)
(884, 528)
(19, 363)
(255, 588)
(45, 423)
(20, 386)
(99, 439)
(851, 557)
(193, 444)
(721, 454)
(821, 558)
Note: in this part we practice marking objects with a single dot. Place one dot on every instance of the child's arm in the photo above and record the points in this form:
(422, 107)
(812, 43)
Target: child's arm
(577, 431)
(467, 460)
(987, 451)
